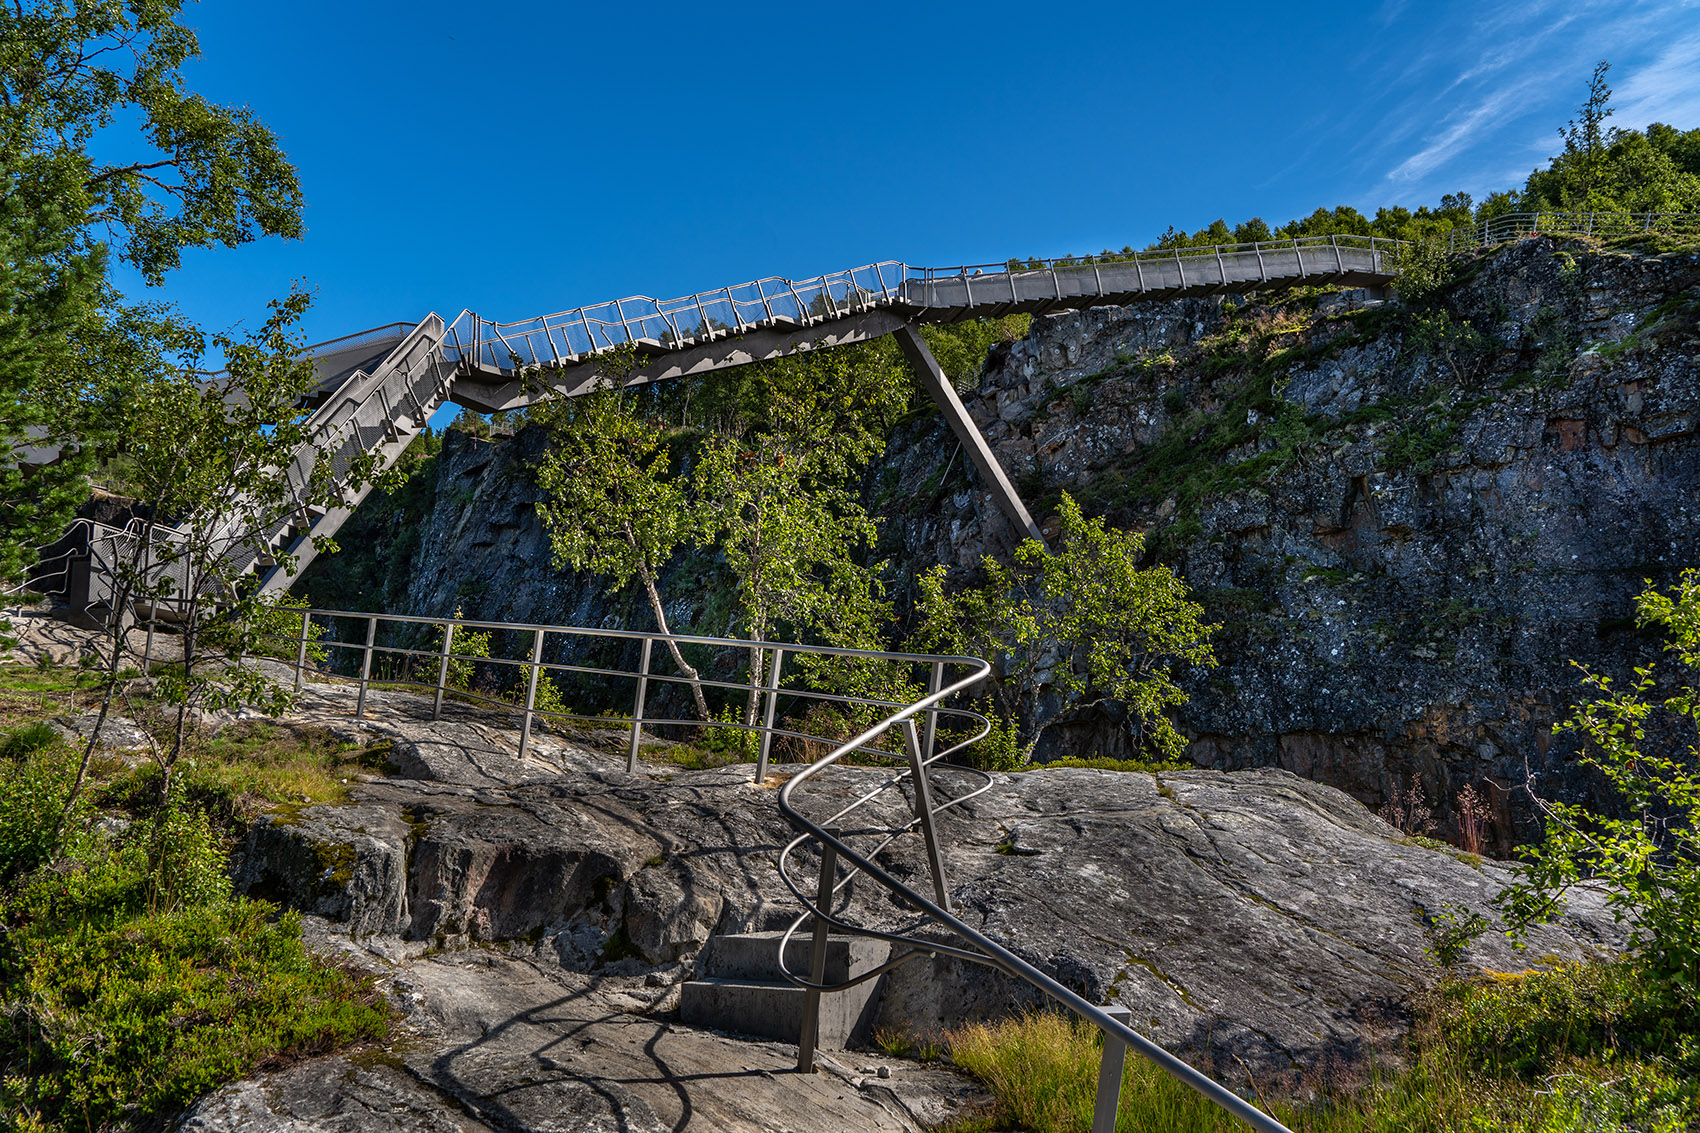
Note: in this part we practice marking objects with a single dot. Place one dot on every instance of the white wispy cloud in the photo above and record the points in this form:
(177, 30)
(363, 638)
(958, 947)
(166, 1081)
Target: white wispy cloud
(1665, 90)
(1501, 80)
(1461, 131)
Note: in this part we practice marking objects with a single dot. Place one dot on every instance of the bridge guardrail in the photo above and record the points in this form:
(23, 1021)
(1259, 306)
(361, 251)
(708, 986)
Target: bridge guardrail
(1511, 226)
(569, 335)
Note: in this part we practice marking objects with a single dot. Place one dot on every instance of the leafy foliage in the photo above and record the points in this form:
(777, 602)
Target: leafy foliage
(130, 980)
(35, 779)
(961, 348)
(202, 175)
(612, 503)
(1086, 620)
(215, 174)
(1649, 859)
(89, 1039)
(207, 456)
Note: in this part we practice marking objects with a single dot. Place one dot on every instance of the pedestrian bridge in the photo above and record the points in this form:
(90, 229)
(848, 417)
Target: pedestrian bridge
(378, 388)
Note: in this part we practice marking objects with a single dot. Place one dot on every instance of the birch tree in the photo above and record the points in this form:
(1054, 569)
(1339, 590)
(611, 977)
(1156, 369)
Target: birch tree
(612, 505)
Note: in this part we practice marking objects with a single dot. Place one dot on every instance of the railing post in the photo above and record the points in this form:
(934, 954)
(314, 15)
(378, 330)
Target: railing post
(531, 690)
(810, 1031)
(366, 666)
(1110, 1075)
(933, 685)
(767, 719)
(637, 710)
(924, 811)
(443, 670)
(300, 646)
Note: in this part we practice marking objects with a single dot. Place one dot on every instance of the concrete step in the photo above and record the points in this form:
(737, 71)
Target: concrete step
(754, 956)
(743, 991)
(775, 1011)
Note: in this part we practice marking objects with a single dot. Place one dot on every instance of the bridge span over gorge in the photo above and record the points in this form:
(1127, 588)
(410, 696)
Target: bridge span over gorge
(377, 388)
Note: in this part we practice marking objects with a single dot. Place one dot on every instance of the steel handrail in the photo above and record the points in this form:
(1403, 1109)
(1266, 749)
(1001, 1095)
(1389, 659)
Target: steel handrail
(1022, 266)
(1508, 226)
(982, 950)
(639, 319)
(535, 667)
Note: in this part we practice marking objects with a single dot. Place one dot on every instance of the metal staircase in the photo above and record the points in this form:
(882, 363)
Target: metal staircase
(362, 416)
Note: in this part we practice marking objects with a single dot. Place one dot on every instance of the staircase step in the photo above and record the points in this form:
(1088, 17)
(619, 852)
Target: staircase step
(754, 956)
(775, 1011)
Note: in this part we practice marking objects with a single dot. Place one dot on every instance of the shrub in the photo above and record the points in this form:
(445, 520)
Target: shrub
(37, 771)
(1085, 621)
(1650, 858)
(469, 645)
(121, 1022)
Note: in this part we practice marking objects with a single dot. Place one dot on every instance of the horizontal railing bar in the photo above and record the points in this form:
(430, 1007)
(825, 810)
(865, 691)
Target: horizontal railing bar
(641, 635)
(564, 667)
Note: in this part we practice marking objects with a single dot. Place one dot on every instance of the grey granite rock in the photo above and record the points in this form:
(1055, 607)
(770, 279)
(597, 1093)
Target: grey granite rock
(1255, 912)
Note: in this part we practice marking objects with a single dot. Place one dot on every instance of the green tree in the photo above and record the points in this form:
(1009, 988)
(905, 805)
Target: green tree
(962, 348)
(206, 462)
(1648, 855)
(779, 492)
(171, 170)
(50, 294)
(204, 174)
(1085, 620)
(1586, 137)
(1611, 170)
(613, 504)
(779, 508)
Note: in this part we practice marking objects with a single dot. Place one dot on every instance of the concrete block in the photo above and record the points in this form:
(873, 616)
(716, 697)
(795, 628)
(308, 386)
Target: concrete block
(775, 1011)
(754, 956)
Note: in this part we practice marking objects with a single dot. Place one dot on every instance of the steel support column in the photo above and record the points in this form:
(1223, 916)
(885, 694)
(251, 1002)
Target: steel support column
(985, 461)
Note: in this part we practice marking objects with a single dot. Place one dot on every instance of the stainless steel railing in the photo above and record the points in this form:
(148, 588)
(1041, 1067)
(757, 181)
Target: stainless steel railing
(406, 665)
(927, 729)
(1511, 226)
(1374, 244)
(567, 337)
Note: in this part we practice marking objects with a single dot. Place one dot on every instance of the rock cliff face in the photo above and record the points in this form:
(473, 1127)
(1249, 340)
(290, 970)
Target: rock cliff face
(1407, 521)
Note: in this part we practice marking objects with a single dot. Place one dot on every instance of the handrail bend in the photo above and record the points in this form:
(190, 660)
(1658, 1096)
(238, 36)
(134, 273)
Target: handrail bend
(829, 834)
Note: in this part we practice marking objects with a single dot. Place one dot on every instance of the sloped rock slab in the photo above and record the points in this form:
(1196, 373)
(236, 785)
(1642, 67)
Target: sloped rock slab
(331, 1095)
(1254, 915)
(115, 733)
(499, 1043)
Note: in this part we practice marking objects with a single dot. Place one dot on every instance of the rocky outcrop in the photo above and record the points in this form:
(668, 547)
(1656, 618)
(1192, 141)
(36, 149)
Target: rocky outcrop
(1408, 522)
(1254, 914)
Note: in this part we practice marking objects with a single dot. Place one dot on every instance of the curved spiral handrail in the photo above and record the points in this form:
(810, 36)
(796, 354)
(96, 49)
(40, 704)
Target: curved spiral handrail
(976, 947)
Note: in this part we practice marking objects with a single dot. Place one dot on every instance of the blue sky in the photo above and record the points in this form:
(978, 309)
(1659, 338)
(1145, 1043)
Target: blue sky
(522, 158)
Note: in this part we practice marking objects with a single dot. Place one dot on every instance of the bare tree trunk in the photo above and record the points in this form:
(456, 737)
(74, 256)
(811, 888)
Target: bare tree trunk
(757, 635)
(655, 608)
(120, 641)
